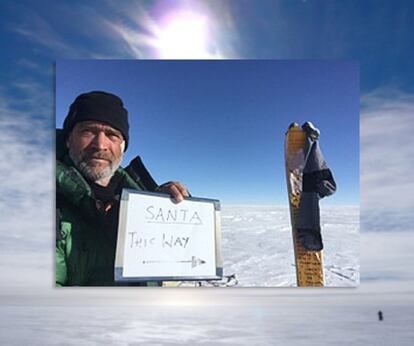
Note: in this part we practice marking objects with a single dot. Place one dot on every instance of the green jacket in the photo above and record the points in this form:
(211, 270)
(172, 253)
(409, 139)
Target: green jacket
(85, 249)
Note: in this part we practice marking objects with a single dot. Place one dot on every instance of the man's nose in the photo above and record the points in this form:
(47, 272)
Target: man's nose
(100, 141)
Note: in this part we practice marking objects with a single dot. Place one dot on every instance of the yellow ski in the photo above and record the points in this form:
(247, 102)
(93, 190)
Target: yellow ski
(309, 264)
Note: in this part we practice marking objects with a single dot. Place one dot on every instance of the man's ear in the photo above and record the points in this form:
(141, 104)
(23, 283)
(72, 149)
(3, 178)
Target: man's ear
(67, 141)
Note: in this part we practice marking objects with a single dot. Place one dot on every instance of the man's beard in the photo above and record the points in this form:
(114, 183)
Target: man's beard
(95, 173)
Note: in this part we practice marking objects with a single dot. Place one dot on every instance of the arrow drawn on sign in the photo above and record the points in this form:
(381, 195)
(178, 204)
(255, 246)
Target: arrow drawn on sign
(194, 261)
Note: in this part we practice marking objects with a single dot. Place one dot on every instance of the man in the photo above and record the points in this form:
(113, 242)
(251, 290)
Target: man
(89, 182)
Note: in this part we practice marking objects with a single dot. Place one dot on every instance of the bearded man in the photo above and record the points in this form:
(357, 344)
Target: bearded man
(89, 182)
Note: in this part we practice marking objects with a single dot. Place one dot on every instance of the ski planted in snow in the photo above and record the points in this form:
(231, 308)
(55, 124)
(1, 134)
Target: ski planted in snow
(309, 264)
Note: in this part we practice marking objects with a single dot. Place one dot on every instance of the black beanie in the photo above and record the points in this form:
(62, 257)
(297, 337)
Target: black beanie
(99, 106)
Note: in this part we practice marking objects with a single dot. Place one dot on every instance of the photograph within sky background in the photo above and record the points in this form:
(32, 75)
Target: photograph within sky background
(375, 33)
(218, 126)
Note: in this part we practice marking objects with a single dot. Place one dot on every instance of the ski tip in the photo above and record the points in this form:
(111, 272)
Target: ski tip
(294, 125)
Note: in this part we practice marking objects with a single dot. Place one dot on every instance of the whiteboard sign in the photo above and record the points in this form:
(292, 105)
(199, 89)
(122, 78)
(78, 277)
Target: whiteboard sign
(159, 240)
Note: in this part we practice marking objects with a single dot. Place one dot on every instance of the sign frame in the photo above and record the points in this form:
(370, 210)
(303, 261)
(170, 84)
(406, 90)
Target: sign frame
(122, 238)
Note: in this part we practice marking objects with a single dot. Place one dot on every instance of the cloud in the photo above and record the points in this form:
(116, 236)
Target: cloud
(32, 66)
(79, 34)
(127, 30)
(387, 186)
(40, 31)
(387, 258)
(27, 173)
(133, 40)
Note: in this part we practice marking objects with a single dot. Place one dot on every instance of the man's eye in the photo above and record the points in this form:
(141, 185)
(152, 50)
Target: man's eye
(87, 132)
(114, 136)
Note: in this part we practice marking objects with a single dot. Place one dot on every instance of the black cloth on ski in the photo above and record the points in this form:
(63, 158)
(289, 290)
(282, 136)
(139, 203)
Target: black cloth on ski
(317, 183)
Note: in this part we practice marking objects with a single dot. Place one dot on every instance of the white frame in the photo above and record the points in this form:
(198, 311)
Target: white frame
(122, 238)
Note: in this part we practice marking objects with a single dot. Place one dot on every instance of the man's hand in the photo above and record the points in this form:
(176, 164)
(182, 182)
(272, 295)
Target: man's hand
(175, 189)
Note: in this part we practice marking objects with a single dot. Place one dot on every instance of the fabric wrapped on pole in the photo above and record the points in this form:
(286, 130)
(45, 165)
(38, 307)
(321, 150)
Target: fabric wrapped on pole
(317, 183)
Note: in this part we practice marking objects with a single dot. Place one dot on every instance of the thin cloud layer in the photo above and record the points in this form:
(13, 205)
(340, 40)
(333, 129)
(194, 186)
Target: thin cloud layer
(126, 30)
(25, 202)
(41, 32)
(387, 128)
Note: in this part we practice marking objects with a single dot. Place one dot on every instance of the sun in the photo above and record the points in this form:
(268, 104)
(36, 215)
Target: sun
(183, 35)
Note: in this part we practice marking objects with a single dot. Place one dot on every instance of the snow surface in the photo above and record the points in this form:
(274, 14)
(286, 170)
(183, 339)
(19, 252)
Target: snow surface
(258, 246)
(36, 313)
(273, 320)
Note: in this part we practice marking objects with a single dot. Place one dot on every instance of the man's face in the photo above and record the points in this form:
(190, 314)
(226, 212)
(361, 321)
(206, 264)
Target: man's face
(96, 149)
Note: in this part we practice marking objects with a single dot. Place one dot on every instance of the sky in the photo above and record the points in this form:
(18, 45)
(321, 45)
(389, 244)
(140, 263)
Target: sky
(219, 126)
(376, 34)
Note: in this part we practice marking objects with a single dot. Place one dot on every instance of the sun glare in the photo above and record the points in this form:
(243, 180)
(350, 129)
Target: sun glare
(183, 35)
